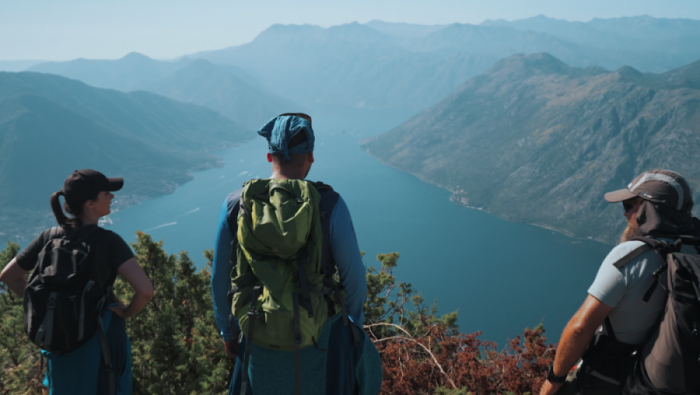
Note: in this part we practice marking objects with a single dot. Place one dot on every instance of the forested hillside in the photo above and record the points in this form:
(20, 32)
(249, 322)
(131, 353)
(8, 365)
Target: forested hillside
(51, 126)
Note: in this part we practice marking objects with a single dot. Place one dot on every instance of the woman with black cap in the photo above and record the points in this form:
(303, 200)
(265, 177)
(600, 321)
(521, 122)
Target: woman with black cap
(88, 195)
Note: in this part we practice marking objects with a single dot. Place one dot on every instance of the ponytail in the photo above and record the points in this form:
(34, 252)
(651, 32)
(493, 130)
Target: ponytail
(73, 208)
(61, 218)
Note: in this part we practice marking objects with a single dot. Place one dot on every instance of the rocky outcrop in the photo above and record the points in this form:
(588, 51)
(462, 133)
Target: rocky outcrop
(538, 141)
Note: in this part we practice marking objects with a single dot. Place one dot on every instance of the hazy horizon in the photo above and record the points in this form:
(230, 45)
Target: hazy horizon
(167, 30)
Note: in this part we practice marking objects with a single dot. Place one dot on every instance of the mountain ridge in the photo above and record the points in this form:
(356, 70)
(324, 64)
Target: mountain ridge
(205, 84)
(494, 140)
(126, 73)
(51, 126)
(183, 80)
(381, 65)
(373, 68)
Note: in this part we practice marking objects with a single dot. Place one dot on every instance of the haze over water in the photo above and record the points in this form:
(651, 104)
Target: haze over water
(502, 276)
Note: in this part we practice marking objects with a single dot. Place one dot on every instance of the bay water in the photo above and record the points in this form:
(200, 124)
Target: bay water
(501, 276)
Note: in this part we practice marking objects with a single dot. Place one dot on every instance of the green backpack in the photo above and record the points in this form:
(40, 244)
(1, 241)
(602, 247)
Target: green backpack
(277, 287)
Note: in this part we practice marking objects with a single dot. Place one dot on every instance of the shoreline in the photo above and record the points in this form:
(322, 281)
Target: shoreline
(23, 235)
(453, 198)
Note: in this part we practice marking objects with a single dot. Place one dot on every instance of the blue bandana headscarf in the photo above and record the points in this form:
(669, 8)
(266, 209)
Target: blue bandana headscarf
(279, 131)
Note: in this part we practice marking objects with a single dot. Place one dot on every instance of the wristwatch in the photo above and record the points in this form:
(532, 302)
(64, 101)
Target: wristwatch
(552, 378)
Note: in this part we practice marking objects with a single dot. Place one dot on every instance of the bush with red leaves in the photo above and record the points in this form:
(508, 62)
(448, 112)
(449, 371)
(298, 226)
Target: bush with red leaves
(425, 354)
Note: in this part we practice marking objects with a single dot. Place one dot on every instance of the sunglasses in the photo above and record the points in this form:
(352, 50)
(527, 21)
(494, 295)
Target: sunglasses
(630, 204)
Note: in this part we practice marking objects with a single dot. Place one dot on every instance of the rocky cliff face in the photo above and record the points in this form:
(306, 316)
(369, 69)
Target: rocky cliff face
(537, 141)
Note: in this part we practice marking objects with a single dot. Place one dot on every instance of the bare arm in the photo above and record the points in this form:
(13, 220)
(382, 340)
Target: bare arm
(143, 290)
(575, 338)
(13, 276)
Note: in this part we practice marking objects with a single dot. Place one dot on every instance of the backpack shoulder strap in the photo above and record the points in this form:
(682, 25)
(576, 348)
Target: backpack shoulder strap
(320, 186)
(329, 198)
(635, 252)
(233, 204)
(663, 249)
(57, 232)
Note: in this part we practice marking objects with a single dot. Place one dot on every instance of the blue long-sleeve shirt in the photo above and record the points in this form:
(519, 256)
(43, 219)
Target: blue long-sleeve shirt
(344, 248)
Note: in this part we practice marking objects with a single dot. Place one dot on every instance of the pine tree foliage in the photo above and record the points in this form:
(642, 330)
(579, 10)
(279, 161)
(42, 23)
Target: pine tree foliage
(176, 347)
(20, 362)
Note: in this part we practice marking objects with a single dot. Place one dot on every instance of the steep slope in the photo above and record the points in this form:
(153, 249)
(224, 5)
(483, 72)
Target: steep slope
(50, 126)
(538, 141)
(125, 74)
(223, 91)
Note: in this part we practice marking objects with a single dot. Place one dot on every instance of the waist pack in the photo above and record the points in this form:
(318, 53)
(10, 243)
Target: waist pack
(669, 361)
(608, 356)
(280, 293)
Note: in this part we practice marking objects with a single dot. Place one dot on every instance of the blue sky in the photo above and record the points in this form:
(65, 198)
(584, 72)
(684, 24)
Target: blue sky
(100, 29)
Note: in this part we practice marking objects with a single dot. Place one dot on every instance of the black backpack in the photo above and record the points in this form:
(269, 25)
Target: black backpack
(669, 361)
(63, 299)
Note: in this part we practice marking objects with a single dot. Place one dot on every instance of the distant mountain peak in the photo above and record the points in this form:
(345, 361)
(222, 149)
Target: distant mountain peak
(281, 31)
(354, 31)
(541, 17)
(135, 56)
(541, 61)
(201, 63)
(629, 71)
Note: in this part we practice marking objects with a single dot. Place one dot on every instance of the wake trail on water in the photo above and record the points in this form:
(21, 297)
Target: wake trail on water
(189, 212)
(164, 225)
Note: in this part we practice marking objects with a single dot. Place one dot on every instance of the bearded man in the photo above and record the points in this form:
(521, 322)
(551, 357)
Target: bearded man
(618, 311)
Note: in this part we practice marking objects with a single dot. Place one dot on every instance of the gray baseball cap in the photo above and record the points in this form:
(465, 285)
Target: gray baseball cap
(664, 187)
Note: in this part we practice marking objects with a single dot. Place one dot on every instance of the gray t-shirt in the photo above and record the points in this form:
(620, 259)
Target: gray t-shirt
(623, 288)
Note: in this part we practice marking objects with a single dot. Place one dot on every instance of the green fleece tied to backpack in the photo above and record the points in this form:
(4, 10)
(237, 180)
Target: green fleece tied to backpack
(278, 265)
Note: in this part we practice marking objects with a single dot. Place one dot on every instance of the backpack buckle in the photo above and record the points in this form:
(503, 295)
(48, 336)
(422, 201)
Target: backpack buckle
(254, 301)
(51, 303)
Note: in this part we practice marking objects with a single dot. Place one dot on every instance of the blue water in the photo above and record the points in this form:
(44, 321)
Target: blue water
(501, 276)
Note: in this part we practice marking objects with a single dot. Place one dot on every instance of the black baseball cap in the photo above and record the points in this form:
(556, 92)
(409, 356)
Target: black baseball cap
(85, 184)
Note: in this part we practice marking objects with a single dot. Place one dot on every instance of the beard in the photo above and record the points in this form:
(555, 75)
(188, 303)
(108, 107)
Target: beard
(631, 231)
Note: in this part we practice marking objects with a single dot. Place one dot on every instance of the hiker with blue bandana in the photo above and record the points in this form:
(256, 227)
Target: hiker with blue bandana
(288, 282)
